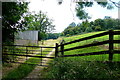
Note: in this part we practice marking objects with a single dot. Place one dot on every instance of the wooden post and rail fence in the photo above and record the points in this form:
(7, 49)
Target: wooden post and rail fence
(111, 51)
(26, 51)
(111, 42)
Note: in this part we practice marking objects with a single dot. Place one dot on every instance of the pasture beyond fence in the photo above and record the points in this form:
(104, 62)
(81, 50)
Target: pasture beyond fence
(22, 54)
(111, 51)
(29, 51)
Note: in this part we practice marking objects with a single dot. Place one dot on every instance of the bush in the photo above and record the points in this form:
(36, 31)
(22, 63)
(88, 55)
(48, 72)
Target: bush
(80, 69)
(8, 50)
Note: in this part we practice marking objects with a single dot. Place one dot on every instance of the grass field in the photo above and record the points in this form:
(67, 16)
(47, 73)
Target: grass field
(24, 69)
(91, 49)
(86, 67)
(71, 68)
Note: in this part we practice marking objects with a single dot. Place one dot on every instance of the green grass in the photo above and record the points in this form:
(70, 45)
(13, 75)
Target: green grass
(85, 67)
(24, 69)
(80, 69)
(90, 49)
(19, 72)
(75, 67)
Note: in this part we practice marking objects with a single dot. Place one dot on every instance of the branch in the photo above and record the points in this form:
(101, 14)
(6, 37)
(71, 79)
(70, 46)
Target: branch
(116, 4)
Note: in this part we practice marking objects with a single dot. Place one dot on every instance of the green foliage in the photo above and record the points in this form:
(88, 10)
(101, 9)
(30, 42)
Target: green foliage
(39, 21)
(53, 35)
(72, 24)
(8, 50)
(24, 69)
(97, 25)
(80, 69)
(86, 67)
(82, 14)
(42, 36)
(90, 49)
(20, 72)
(80, 8)
(12, 12)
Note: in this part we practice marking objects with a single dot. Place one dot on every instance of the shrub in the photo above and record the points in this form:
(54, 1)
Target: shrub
(80, 69)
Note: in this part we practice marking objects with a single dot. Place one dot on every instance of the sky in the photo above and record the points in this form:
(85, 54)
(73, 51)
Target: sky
(65, 14)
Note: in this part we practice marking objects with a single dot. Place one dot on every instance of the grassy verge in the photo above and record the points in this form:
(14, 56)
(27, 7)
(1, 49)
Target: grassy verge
(103, 57)
(24, 69)
(80, 69)
(86, 67)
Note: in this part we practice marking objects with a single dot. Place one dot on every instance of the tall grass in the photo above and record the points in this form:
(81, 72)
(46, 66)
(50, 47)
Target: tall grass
(24, 69)
(80, 69)
(85, 67)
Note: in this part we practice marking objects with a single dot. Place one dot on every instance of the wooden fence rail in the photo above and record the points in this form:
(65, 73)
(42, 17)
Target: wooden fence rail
(111, 42)
(26, 52)
(62, 45)
(29, 56)
(86, 38)
(29, 46)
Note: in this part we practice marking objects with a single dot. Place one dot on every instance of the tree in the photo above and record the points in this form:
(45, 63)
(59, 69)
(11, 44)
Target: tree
(82, 4)
(117, 24)
(112, 23)
(72, 24)
(83, 15)
(109, 23)
(12, 21)
(12, 13)
(107, 17)
(53, 35)
(80, 8)
(99, 23)
(39, 22)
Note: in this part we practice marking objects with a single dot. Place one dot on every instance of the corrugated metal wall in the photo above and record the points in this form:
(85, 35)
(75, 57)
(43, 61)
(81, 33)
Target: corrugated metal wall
(28, 35)
(26, 38)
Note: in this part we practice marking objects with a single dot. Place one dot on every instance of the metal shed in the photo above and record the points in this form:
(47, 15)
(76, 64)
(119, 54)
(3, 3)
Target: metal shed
(27, 37)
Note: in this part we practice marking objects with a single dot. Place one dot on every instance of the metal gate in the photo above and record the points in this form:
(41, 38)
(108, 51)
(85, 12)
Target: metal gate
(33, 55)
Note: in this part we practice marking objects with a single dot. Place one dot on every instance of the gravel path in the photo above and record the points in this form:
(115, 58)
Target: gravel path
(35, 74)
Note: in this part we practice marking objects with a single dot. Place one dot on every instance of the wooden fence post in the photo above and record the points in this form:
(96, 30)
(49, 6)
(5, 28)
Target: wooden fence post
(13, 48)
(26, 52)
(41, 55)
(111, 48)
(56, 50)
(62, 49)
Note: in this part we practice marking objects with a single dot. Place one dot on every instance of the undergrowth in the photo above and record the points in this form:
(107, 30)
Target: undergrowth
(72, 69)
(24, 69)
(85, 67)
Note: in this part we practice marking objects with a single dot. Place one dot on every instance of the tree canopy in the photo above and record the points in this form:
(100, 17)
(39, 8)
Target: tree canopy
(80, 8)
(97, 25)
(39, 21)
(82, 4)
(12, 13)
(15, 17)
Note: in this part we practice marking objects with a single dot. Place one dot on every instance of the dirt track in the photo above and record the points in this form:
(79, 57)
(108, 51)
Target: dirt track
(36, 72)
